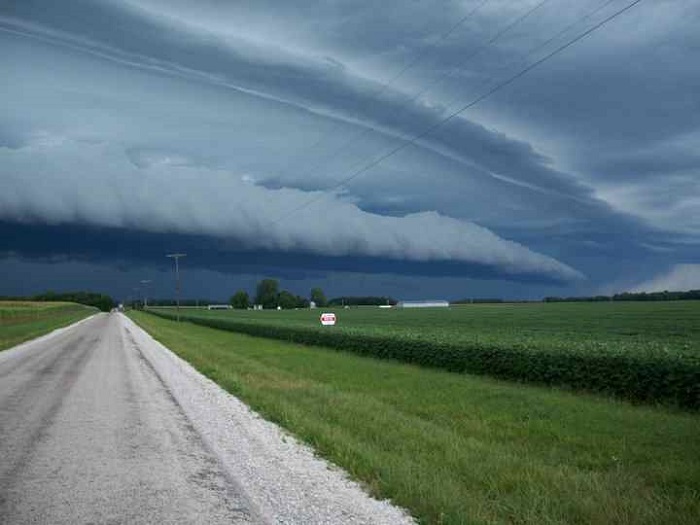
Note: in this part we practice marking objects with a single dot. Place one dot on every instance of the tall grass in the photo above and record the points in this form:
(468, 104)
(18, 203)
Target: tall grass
(24, 320)
(456, 448)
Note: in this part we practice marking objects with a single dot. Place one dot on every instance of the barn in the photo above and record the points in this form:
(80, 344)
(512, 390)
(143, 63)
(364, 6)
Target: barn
(219, 307)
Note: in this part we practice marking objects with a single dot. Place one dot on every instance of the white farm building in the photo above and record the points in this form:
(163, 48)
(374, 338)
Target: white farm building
(219, 307)
(422, 304)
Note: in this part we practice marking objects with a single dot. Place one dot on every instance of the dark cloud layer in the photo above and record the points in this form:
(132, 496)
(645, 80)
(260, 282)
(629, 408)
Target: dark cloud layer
(157, 122)
(118, 247)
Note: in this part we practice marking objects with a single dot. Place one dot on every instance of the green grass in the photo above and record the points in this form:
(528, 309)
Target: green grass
(455, 448)
(648, 352)
(673, 323)
(24, 320)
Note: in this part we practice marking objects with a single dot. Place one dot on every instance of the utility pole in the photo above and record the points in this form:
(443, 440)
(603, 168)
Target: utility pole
(145, 296)
(177, 256)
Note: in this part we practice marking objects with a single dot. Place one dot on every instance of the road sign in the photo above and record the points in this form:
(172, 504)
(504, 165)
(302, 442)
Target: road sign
(328, 319)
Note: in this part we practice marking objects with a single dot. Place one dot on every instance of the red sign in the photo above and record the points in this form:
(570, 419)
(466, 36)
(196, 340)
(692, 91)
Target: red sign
(328, 319)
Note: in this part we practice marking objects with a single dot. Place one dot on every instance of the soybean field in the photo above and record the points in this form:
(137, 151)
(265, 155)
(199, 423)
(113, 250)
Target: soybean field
(647, 352)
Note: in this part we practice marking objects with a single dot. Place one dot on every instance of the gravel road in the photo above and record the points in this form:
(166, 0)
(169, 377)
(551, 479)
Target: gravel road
(99, 423)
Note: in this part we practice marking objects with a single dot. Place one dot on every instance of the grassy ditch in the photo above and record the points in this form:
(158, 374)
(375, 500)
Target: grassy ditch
(24, 320)
(641, 352)
(455, 448)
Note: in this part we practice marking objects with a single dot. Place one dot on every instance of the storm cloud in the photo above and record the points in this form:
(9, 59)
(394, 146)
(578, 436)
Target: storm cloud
(168, 196)
(680, 277)
(259, 126)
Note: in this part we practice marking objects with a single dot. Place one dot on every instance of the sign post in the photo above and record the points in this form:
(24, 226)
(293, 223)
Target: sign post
(328, 319)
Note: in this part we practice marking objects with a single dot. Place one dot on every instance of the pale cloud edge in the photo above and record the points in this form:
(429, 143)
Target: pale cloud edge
(221, 204)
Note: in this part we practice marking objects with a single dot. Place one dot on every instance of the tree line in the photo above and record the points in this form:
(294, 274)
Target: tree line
(631, 296)
(102, 301)
(269, 295)
(154, 301)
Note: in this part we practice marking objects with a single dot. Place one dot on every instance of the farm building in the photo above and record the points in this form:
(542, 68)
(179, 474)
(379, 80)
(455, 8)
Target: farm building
(422, 304)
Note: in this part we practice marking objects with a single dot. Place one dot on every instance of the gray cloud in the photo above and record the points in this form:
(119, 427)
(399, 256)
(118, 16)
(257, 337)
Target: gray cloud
(171, 197)
(305, 81)
(679, 278)
(511, 168)
(595, 152)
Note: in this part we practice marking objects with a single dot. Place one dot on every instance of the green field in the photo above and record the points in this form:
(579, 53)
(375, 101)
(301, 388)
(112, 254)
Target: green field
(675, 324)
(647, 352)
(24, 320)
(457, 448)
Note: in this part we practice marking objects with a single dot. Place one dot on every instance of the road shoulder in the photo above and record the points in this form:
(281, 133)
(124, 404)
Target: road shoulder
(280, 475)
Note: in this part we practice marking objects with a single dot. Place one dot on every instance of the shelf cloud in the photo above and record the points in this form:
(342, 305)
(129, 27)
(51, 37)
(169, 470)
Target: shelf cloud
(45, 182)
(265, 126)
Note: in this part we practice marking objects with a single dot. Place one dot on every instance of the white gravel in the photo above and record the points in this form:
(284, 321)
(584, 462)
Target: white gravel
(282, 477)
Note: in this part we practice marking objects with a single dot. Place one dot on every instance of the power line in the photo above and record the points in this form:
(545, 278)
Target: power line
(561, 32)
(363, 132)
(474, 102)
(441, 39)
(386, 84)
(177, 256)
(576, 22)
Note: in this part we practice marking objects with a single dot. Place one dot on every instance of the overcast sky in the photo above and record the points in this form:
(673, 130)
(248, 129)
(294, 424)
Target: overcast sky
(302, 140)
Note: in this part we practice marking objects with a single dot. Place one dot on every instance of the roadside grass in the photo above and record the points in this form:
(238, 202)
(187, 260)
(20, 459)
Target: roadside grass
(455, 448)
(24, 320)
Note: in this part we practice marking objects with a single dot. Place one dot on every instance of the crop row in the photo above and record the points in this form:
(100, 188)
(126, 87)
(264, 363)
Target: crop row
(664, 378)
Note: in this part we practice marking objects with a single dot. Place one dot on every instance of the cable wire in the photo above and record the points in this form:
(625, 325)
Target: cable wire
(365, 131)
(464, 108)
(386, 84)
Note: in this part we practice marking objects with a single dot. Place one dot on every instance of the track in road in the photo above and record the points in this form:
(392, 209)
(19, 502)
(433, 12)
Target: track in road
(89, 433)
(99, 423)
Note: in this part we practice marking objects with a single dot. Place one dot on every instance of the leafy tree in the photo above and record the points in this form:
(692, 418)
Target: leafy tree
(240, 300)
(318, 297)
(286, 300)
(267, 292)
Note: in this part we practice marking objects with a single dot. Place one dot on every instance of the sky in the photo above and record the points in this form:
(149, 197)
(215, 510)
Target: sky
(423, 150)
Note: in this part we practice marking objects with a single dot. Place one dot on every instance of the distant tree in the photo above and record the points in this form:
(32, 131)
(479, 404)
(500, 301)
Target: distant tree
(666, 295)
(302, 302)
(267, 292)
(476, 300)
(101, 301)
(318, 297)
(286, 300)
(240, 300)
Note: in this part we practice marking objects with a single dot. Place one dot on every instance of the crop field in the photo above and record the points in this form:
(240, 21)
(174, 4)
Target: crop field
(24, 320)
(648, 352)
(459, 448)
